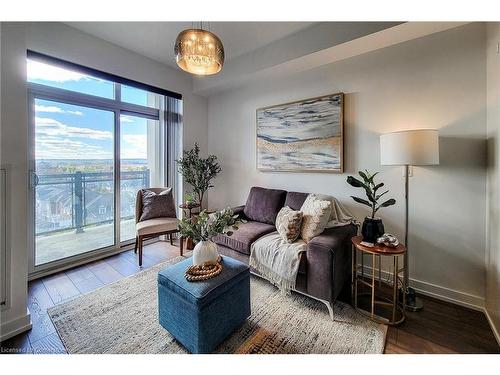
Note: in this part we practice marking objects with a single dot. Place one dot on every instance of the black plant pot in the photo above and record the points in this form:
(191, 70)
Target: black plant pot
(372, 229)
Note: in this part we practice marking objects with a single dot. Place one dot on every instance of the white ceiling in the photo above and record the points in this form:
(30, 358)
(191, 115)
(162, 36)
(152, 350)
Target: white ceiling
(156, 39)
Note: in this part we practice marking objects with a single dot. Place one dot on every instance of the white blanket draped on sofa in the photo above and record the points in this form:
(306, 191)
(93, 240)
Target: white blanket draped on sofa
(278, 261)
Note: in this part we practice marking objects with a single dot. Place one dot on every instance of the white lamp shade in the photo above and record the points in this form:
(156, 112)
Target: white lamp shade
(410, 147)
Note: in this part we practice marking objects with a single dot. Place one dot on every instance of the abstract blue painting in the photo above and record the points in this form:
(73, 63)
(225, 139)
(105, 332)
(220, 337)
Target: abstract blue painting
(306, 135)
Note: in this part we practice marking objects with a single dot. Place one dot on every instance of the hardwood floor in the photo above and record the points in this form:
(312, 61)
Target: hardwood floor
(51, 290)
(440, 327)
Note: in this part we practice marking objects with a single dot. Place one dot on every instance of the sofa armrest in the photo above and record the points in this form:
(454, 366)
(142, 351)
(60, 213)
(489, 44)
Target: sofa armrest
(238, 210)
(329, 262)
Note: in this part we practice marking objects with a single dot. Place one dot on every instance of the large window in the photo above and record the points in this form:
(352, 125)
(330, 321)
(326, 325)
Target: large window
(97, 140)
(55, 76)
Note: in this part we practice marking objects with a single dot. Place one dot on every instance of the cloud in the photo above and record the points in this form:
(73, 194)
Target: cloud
(48, 147)
(125, 118)
(50, 127)
(54, 109)
(134, 146)
(40, 71)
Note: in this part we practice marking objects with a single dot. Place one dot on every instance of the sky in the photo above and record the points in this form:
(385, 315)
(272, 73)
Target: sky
(64, 131)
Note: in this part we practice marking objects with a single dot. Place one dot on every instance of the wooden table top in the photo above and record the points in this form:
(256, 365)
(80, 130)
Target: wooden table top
(378, 249)
(189, 206)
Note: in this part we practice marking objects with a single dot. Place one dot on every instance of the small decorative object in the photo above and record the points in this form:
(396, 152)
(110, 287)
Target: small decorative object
(198, 172)
(306, 135)
(367, 244)
(372, 226)
(203, 228)
(199, 52)
(205, 271)
(388, 240)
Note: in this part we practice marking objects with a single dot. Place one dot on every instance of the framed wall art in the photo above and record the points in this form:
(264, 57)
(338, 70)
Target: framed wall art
(302, 136)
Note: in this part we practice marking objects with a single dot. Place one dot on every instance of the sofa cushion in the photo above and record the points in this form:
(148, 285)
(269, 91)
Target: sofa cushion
(242, 239)
(263, 204)
(295, 200)
(316, 214)
(288, 223)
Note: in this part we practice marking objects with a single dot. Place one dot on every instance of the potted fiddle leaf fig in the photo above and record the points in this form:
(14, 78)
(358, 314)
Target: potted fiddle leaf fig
(372, 226)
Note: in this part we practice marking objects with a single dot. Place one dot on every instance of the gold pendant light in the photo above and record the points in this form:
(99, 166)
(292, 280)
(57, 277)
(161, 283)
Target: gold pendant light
(199, 52)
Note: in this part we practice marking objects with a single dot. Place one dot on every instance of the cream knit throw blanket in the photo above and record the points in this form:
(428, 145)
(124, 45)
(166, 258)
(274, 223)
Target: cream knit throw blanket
(278, 261)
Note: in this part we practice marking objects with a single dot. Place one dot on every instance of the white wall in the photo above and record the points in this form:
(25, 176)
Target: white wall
(14, 316)
(437, 82)
(62, 41)
(493, 124)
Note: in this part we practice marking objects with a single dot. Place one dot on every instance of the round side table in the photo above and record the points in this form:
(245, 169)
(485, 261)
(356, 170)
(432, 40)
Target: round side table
(189, 207)
(396, 313)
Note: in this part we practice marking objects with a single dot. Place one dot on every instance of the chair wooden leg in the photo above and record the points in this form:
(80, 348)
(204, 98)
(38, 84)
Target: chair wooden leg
(171, 239)
(181, 239)
(140, 251)
(135, 246)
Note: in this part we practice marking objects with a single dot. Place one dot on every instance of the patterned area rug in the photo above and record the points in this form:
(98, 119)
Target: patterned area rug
(123, 318)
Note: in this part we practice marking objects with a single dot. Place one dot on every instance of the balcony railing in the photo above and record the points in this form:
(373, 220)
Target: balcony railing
(86, 199)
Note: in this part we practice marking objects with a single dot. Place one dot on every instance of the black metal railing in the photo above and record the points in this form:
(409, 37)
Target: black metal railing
(89, 196)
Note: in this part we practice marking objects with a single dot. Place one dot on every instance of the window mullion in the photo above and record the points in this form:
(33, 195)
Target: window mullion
(117, 179)
(71, 97)
(118, 92)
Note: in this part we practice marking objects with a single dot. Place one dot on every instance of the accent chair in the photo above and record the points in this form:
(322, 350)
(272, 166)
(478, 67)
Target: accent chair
(151, 228)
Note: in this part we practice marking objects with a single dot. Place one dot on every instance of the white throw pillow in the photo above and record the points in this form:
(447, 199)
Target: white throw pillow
(315, 216)
(288, 224)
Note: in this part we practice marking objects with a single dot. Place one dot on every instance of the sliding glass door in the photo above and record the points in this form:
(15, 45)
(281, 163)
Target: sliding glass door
(140, 165)
(95, 143)
(73, 180)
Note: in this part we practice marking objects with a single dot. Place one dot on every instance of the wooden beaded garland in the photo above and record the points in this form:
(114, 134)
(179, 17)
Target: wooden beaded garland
(205, 271)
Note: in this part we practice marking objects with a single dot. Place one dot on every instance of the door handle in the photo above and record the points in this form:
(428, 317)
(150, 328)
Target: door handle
(34, 180)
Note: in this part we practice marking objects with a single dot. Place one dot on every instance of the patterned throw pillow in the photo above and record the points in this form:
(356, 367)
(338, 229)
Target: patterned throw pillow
(288, 224)
(157, 205)
(316, 213)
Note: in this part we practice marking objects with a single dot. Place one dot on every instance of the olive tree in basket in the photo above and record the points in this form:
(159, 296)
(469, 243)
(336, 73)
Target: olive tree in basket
(198, 172)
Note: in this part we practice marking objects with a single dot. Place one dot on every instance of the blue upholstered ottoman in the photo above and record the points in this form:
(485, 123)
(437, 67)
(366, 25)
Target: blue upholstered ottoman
(201, 314)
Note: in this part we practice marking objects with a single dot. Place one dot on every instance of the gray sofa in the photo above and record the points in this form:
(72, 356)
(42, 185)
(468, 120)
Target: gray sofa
(325, 268)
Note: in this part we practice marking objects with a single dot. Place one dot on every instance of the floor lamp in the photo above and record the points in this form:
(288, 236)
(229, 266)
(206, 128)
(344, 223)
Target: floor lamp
(408, 148)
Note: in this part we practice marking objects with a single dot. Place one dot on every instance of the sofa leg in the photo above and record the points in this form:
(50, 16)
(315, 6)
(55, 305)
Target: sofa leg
(329, 305)
(171, 240)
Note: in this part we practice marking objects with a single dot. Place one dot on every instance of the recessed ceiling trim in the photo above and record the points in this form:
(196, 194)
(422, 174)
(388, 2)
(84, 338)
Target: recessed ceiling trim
(367, 43)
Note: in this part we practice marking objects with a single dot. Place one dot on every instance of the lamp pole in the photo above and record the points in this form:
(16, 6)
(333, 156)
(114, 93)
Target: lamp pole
(406, 148)
(413, 303)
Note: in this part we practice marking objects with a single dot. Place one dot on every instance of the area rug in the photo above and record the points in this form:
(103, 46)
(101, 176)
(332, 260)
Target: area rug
(123, 318)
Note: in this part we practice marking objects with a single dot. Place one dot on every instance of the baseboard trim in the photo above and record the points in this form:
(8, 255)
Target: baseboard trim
(442, 293)
(449, 295)
(492, 325)
(15, 327)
